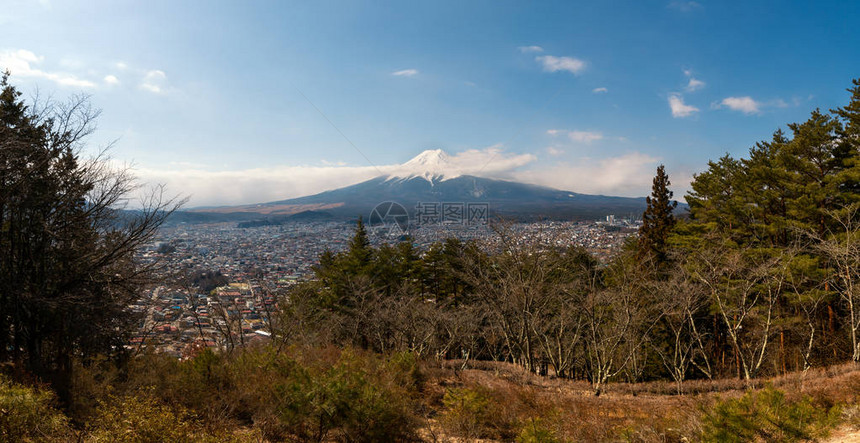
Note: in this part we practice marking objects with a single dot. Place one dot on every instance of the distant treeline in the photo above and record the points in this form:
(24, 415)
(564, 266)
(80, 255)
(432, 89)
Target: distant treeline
(304, 216)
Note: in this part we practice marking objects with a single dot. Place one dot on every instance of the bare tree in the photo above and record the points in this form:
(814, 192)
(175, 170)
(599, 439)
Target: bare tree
(560, 332)
(531, 291)
(512, 287)
(226, 325)
(744, 285)
(680, 344)
(608, 318)
(841, 249)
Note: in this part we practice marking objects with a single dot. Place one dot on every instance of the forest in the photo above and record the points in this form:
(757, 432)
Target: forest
(757, 280)
(738, 318)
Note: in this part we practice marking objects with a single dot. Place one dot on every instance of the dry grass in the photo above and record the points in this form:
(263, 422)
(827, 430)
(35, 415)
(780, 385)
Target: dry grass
(641, 412)
(487, 401)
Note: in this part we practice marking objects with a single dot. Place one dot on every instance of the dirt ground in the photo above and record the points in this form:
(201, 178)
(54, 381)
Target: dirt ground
(844, 435)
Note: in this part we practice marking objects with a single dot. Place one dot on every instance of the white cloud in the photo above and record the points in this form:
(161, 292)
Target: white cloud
(71, 63)
(247, 186)
(154, 81)
(121, 65)
(584, 136)
(526, 49)
(743, 104)
(19, 59)
(405, 73)
(182, 164)
(578, 136)
(488, 162)
(111, 80)
(684, 6)
(694, 85)
(257, 185)
(21, 63)
(679, 109)
(552, 63)
(600, 90)
(627, 175)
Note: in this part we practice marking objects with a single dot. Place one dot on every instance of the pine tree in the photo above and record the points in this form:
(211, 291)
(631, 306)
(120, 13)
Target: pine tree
(359, 255)
(848, 150)
(850, 115)
(657, 220)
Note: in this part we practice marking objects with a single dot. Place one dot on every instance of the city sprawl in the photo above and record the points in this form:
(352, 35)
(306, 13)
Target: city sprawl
(224, 281)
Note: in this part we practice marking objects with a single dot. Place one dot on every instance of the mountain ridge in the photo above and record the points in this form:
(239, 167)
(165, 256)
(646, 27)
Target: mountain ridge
(432, 177)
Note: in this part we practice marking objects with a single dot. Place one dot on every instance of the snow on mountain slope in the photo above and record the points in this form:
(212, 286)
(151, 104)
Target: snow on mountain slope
(433, 165)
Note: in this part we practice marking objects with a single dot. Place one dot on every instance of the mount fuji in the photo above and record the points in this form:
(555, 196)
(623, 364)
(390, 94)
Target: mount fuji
(431, 177)
(431, 165)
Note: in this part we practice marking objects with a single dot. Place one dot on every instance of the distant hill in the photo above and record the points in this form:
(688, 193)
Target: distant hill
(199, 217)
(300, 217)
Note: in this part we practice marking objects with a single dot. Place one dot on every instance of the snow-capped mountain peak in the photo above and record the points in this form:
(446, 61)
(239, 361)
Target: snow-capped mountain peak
(433, 165)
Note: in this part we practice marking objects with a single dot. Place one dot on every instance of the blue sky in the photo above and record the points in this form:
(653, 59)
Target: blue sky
(231, 102)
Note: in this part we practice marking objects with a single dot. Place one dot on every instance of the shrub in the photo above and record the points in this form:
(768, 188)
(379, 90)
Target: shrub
(294, 393)
(535, 430)
(404, 368)
(360, 398)
(142, 418)
(28, 414)
(767, 415)
(468, 412)
(203, 384)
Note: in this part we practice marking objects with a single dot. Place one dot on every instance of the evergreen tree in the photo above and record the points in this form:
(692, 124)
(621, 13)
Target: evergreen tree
(848, 150)
(409, 262)
(68, 270)
(657, 220)
(767, 184)
(810, 158)
(850, 115)
(359, 255)
(787, 185)
(714, 199)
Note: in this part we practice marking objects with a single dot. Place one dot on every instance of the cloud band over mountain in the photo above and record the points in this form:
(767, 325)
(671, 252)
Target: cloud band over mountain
(625, 175)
